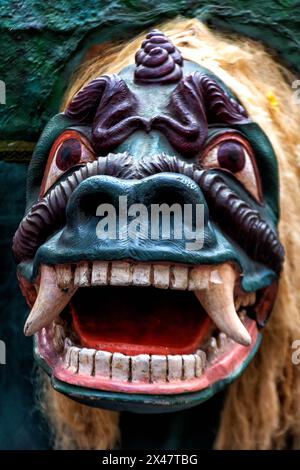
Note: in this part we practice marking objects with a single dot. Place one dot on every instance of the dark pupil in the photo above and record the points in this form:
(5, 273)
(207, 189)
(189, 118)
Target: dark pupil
(69, 154)
(231, 156)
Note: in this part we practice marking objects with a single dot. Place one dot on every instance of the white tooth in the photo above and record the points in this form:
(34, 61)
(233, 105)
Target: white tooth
(174, 367)
(212, 349)
(202, 354)
(213, 344)
(120, 274)
(74, 356)
(50, 302)
(86, 361)
(120, 367)
(199, 365)
(158, 368)
(179, 278)
(243, 315)
(222, 340)
(141, 275)
(217, 300)
(203, 358)
(58, 338)
(82, 275)
(67, 353)
(99, 273)
(161, 276)
(199, 278)
(64, 276)
(140, 368)
(68, 343)
(103, 363)
(188, 366)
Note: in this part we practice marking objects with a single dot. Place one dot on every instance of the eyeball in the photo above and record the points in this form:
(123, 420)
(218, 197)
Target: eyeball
(233, 153)
(68, 154)
(231, 156)
(71, 148)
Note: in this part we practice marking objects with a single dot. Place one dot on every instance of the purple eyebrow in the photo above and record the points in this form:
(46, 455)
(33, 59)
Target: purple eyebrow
(111, 109)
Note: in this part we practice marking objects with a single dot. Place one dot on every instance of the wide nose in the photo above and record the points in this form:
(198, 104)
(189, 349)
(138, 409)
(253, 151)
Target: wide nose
(158, 216)
(160, 192)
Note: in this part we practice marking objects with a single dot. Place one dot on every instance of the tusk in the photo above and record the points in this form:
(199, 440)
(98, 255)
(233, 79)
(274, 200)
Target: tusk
(50, 302)
(217, 300)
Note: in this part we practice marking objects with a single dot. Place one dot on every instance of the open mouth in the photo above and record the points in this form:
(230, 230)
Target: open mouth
(140, 327)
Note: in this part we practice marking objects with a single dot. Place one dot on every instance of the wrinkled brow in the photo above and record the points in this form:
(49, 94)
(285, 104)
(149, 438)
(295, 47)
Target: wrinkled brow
(108, 105)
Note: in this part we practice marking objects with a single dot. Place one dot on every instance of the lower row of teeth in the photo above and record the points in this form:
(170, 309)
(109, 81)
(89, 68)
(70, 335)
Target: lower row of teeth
(140, 368)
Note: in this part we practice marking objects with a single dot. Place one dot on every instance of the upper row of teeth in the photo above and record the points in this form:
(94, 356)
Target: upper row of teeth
(214, 287)
(121, 273)
(244, 300)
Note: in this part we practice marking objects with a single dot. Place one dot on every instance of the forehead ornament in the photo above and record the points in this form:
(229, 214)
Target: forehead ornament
(158, 60)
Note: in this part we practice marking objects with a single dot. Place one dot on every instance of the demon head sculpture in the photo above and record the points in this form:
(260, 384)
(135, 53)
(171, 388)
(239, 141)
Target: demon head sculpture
(148, 323)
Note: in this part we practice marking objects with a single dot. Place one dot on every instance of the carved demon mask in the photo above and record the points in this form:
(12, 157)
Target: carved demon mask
(146, 323)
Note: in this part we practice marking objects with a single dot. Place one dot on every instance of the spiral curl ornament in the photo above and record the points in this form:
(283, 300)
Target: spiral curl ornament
(158, 60)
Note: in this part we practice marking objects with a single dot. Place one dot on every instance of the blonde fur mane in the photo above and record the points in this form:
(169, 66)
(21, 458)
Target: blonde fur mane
(262, 408)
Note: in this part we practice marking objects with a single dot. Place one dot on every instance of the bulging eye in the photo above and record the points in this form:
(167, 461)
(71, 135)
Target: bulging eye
(68, 154)
(231, 156)
(232, 153)
(71, 148)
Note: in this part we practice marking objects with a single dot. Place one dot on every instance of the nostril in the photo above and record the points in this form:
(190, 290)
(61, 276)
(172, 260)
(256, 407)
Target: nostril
(90, 202)
(84, 204)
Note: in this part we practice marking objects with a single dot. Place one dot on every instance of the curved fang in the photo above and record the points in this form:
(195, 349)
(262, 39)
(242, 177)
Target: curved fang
(50, 302)
(218, 301)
